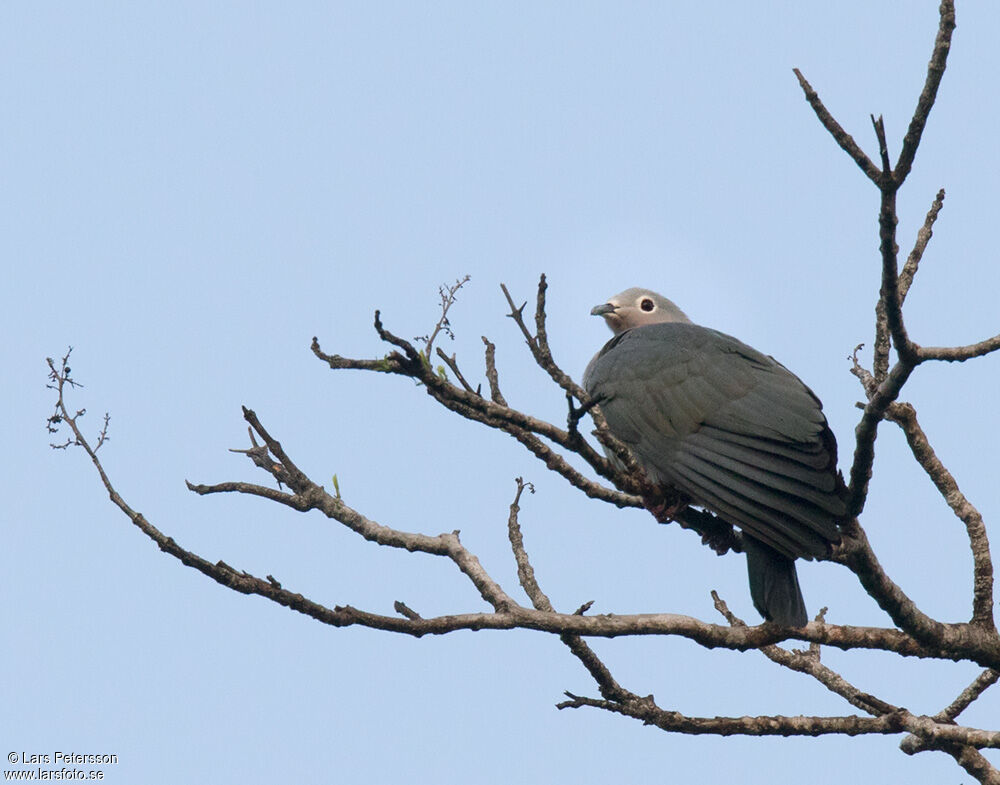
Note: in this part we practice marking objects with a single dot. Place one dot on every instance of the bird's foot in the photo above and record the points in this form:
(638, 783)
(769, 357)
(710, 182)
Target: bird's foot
(664, 509)
(719, 541)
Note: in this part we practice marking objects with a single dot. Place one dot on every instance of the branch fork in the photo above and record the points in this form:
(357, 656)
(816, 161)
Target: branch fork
(622, 483)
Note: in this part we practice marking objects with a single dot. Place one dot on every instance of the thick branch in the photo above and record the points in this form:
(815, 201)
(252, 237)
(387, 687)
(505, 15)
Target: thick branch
(975, 764)
(865, 432)
(674, 722)
(889, 294)
(880, 365)
(965, 755)
(855, 552)
(558, 463)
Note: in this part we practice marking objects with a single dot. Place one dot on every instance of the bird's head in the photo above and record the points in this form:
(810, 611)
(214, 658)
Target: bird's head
(635, 307)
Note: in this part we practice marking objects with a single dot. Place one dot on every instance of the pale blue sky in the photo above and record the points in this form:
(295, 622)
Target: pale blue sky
(193, 190)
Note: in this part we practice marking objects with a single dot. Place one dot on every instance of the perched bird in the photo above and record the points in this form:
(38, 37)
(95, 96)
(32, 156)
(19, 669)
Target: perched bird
(730, 429)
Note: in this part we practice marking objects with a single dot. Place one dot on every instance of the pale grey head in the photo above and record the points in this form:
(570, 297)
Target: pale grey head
(635, 307)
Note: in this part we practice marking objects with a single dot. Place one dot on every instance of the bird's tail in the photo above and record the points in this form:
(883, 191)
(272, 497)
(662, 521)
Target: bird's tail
(774, 586)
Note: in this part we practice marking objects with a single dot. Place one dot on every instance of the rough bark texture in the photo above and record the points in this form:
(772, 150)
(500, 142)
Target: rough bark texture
(621, 482)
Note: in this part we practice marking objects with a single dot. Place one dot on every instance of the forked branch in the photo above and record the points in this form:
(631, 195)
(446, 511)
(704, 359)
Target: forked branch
(625, 485)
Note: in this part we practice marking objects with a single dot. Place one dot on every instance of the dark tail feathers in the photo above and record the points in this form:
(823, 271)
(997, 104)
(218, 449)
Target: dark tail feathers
(774, 586)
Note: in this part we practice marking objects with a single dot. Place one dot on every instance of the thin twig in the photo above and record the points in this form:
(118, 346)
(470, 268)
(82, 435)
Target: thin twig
(867, 379)
(491, 373)
(969, 695)
(452, 363)
(959, 353)
(935, 70)
(609, 688)
(883, 145)
(539, 343)
(448, 295)
(881, 359)
(844, 139)
(525, 572)
(809, 663)
(923, 237)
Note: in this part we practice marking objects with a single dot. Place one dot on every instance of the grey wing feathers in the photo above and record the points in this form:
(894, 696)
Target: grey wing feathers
(727, 425)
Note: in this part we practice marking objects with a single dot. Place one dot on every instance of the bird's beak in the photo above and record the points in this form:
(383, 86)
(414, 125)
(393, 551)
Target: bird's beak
(603, 309)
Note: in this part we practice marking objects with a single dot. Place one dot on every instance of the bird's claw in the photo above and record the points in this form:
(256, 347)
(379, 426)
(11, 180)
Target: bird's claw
(664, 509)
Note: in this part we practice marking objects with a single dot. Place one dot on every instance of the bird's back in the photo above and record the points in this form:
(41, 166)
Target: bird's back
(728, 426)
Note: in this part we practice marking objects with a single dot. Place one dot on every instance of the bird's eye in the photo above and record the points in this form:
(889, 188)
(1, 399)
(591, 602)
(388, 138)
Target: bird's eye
(647, 305)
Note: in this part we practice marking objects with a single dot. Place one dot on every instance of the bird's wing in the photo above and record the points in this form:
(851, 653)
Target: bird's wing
(730, 427)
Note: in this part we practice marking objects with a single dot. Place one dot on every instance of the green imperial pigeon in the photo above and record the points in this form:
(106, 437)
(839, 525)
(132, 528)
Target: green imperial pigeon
(729, 428)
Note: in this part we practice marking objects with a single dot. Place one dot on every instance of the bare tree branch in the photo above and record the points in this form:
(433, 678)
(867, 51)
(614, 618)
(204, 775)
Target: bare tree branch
(935, 734)
(906, 417)
(959, 353)
(809, 663)
(539, 343)
(767, 725)
(935, 70)
(844, 139)
(606, 683)
(452, 363)
(918, 635)
(448, 295)
(507, 613)
(975, 764)
(491, 373)
(941, 736)
(923, 237)
(883, 146)
(889, 294)
(880, 364)
(864, 434)
(969, 695)
(856, 553)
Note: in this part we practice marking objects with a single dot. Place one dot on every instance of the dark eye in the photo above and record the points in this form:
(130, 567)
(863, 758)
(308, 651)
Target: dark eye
(647, 305)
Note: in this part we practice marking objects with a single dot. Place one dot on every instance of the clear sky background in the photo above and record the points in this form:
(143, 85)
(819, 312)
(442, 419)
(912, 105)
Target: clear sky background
(192, 190)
